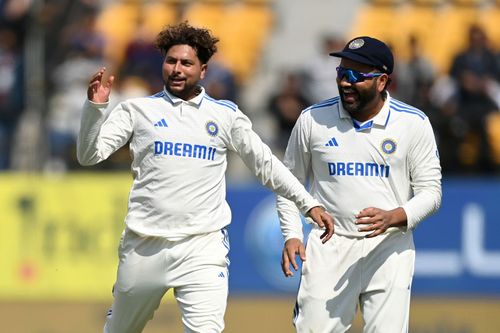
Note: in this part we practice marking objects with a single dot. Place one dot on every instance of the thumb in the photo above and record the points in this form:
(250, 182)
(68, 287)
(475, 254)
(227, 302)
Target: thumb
(315, 215)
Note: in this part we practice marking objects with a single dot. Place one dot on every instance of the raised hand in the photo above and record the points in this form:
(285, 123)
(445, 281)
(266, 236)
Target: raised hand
(98, 92)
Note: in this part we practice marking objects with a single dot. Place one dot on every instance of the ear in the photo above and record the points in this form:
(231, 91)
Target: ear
(203, 71)
(382, 82)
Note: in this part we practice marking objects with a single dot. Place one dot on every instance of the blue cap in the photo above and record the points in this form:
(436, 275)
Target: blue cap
(368, 51)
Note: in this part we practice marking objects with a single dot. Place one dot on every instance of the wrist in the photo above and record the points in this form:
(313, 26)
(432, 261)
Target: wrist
(398, 217)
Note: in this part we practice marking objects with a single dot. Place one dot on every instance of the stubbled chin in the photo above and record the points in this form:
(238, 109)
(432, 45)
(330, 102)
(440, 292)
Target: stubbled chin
(176, 87)
(350, 104)
(175, 90)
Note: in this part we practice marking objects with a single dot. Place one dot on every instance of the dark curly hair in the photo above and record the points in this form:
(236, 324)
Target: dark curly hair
(201, 40)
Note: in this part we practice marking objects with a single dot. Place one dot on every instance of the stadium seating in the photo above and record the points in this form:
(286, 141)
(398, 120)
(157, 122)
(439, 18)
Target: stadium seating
(159, 14)
(419, 21)
(489, 19)
(451, 34)
(244, 32)
(427, 3)
(467, 2)
(440, 26)
(386, 2)
(376, 21)
(241, 26)
(206, 14)
(117, 22)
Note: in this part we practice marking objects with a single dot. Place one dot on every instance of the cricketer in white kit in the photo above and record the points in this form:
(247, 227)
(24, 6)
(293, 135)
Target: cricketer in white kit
(179, 138)
(378, 177)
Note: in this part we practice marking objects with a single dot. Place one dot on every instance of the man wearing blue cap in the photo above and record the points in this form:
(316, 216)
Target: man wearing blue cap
(372, 161)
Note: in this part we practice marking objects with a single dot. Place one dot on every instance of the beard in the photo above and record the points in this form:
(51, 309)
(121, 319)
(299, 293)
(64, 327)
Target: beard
(182, 88)
(355, 100)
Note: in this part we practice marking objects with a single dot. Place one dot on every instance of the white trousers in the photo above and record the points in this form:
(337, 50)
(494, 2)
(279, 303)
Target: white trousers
(195, 267)
(374, 273)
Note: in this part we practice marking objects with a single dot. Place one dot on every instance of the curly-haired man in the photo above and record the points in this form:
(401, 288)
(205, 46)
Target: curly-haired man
(175, 234)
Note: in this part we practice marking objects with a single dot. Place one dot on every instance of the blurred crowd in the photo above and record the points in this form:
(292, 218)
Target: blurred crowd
(463, 103)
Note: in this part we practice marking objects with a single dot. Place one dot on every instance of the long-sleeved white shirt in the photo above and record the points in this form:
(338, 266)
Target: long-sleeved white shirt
(387, 162)
(179, 151)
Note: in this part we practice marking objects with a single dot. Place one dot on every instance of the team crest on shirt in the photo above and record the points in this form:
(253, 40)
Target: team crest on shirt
(388, 146)
(212, 128)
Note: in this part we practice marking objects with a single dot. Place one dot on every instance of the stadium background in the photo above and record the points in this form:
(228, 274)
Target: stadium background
(60, 223)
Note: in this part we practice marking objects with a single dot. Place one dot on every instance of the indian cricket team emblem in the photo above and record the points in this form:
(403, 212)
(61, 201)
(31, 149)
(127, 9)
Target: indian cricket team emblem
(389, 146)
(212, 128)
(356, 44)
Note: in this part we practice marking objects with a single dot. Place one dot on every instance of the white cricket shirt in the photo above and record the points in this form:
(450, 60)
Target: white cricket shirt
(179, 151)
(387, 162)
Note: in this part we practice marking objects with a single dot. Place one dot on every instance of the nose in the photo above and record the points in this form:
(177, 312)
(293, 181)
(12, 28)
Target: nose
(177, 67)
(344, 82)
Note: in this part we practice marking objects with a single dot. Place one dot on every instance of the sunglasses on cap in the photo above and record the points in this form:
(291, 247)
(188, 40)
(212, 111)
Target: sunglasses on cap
(353, 76)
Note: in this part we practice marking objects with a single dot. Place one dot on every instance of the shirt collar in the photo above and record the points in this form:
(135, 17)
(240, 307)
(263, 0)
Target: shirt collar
(196, 101)
(381, 118)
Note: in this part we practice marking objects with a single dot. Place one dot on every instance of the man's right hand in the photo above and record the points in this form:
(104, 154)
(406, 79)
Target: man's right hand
(323, 220)
(97, 91)
(292, 248)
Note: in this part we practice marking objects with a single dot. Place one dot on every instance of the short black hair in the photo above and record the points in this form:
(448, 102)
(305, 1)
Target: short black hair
(200, 39)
